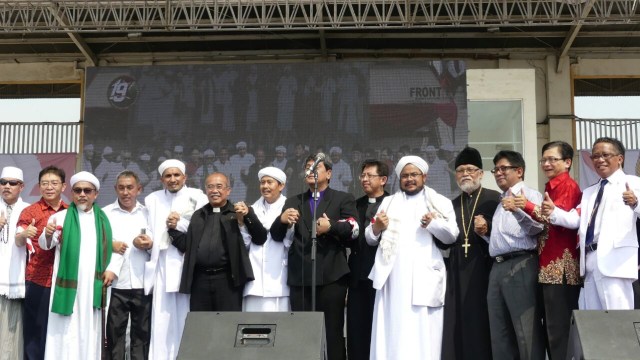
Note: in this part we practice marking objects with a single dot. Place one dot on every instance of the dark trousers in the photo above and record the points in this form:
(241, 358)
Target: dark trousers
(215, 293)
(360, 319)
(34, 320)
(559, 303)
(125, 303)
(329, 300)
(514, 313)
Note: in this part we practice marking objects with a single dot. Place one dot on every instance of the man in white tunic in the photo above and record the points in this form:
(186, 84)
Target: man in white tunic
(409, 273)
(269, 290)
(81, 236)
(13, 260)
(170, 208)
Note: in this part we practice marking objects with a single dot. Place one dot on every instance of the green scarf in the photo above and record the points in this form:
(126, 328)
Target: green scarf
(66, 285)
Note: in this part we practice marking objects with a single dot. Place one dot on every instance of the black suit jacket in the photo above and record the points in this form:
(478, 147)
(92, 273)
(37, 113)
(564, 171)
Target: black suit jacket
(232, 239)
(331, 256)
(363, 255)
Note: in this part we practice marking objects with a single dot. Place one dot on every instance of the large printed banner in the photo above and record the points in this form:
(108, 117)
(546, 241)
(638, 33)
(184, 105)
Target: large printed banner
(31, 164)
(206, 115)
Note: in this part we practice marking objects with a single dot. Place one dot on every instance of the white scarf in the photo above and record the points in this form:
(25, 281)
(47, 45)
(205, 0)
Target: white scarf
(397, 211)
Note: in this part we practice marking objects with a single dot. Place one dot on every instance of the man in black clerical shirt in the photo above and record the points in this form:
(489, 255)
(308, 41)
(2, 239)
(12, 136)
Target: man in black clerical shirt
(373, 177)
(466, 318)
(216, 262)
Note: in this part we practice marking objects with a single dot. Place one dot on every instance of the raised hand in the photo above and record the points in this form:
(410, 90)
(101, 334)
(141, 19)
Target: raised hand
(629, 197)
(290, 217)
(143, 242)
(31, 230)
(508, 202)
(520, 200)
(381, 223)
(480, 225)
(547, 205)
(50, 229)
(323, 224)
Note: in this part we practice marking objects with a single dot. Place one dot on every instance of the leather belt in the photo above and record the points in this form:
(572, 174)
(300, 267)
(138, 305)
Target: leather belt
(591, 247)
(211, 271)
(511, 255)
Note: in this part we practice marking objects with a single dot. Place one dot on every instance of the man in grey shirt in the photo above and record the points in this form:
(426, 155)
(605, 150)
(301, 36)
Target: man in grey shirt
(514, 315)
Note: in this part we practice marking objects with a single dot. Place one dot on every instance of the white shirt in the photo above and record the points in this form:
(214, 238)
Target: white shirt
(125, 226)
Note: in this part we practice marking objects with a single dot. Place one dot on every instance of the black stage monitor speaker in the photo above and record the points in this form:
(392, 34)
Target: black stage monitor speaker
(253, 336)
(611, 335)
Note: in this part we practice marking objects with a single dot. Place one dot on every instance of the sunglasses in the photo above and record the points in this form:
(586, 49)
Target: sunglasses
(4, 182)
(87, 191)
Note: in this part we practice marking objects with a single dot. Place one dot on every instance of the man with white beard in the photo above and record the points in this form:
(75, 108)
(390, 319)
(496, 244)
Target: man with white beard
(409, 272)
(466, 318)
(170, 208)
(81, 237)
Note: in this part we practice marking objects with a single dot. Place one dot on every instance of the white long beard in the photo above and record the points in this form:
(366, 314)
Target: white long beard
(469, 186)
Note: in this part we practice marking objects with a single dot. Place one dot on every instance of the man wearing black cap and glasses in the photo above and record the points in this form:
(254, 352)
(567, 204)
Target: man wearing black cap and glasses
(466, 319)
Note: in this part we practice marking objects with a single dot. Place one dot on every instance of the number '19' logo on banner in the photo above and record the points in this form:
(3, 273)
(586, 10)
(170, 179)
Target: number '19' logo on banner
(122, 92)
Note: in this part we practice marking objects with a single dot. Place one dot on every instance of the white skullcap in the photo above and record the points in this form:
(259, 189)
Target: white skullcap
(281, 149)
(85, 176)
(11, 172)
(274, 172)
(145, 157)
(430, 149)
(88, 147)
(178, 149)
(107, 150)
(209, 152)
(241, 144)
(413, 160)
(335, 150)
(171, 163)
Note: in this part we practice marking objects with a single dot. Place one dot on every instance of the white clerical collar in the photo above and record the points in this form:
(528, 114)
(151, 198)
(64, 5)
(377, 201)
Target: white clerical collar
(372, 200)
(216, 209)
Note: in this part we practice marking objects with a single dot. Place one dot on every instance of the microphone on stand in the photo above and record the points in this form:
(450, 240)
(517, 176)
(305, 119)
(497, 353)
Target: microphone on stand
(320, 157)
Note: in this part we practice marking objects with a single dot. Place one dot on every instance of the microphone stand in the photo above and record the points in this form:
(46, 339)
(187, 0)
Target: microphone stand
(314, 240)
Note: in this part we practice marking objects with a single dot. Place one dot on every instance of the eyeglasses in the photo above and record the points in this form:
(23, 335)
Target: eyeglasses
(470, 171)
(216, 187)
(87, 191)
(604, 156)
(550, 160)
(410, 176)
(52, 183)
(502, 169)
(368, 176)
(4, 182)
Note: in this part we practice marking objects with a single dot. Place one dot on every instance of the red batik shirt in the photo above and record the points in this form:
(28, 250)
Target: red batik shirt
(557, 246)
(40, 265)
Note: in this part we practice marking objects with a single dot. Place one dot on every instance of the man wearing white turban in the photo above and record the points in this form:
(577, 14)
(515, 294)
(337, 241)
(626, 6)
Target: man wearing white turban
(409, 271)
(169, 208)
(269, 290)
(81, 237)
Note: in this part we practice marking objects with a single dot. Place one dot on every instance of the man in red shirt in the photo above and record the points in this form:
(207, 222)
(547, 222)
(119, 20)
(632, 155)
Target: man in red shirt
(559, 273)
(32, 222)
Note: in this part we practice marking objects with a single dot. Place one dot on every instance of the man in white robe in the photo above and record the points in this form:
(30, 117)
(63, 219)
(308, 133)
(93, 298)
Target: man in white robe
(74, 331)
(409, 273)
(13, 261)
(170, 208)
(269, 290)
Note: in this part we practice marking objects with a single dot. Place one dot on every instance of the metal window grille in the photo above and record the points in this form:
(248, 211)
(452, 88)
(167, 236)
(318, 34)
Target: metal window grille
(28, 138)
